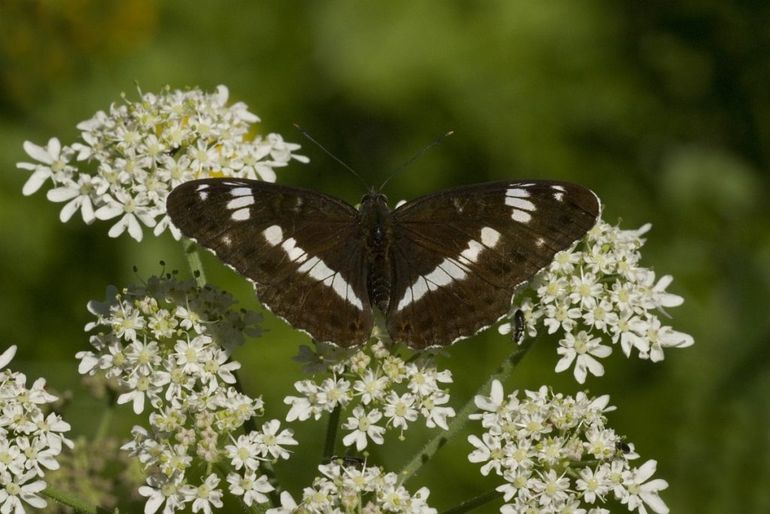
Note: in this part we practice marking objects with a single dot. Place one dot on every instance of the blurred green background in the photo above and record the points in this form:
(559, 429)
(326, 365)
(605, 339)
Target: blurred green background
(662, 107)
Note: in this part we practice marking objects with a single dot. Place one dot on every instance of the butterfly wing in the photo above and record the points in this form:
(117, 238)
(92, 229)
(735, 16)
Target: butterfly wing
(301, 249)
(459, 255)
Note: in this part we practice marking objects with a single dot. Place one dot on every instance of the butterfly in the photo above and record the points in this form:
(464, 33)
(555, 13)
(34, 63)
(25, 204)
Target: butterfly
(439, 268)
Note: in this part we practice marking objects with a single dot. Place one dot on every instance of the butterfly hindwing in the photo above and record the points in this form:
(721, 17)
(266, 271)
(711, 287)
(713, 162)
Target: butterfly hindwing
(302, 249)
(459, 255)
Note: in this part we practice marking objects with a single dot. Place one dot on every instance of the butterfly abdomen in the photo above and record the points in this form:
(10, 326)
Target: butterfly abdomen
(376, 223)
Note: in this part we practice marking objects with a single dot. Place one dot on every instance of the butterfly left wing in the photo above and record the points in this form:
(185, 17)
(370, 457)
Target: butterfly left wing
(301, 249)
(459, 255)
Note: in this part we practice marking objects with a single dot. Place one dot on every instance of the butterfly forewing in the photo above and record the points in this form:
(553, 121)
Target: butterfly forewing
(459, 255)
(302, 249)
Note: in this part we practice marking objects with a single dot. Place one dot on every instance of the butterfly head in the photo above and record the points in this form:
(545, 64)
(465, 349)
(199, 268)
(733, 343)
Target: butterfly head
(374, 201)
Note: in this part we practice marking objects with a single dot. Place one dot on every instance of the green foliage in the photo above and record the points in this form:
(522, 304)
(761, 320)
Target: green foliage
(661, 107)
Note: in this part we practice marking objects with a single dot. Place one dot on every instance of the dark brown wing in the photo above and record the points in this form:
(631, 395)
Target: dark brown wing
(302, 250)
(459, 255)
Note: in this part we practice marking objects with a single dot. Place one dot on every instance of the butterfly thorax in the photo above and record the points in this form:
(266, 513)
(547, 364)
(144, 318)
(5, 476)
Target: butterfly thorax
(376, 223)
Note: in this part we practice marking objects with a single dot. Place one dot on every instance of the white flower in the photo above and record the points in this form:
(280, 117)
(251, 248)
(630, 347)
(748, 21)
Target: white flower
(363, 426)
(435, 412)
(641, 492)
(132, 209)
(243, 453)
(205, 495)
(400, 410)
(600, 290)
(52, 161)
(190, 355)
(382, 382)
(554, 453)
(585, 290)
(7, 356)
(287, 505)
(15, 489)
(252, 489)
(129, 158)
(333, 392)
(30, 440)
(371, 387)
(162, 491)
(593, 484)
(493, 402)
(79, 196)
(352, 489)
(270, 441)
(301, 408)
(165, 359)
(488, 450)
(582, 350)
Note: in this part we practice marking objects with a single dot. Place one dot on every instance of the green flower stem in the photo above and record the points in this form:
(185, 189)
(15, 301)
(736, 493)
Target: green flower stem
(105, 420)
(78, 504)
(194, 261)
(331, 434)
(103, 428)
(430, 449)
(473, 503)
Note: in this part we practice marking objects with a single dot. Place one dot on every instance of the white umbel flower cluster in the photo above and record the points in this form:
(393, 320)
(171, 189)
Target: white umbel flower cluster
(380, 389)
(597, 293)
(30, 439)
(156, 344)
(556, 454)
(129, 158)
(368, 489)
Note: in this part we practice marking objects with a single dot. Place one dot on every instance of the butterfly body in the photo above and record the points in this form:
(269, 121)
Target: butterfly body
(440, 268)
(376, 227)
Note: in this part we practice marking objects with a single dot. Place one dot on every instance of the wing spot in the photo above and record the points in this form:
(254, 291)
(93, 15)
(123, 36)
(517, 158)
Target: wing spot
(559, 188)
(489, 237)
(317, 269)
(521, 216)
(519, 203)
(241, 214)
(226, 240)
(240, 202)
(239, 191)
(203, 195)
(202, 187)
(450, 270)
(295, 253)
(559, 197)
(517, 192)
(273, 234)
(539, 242)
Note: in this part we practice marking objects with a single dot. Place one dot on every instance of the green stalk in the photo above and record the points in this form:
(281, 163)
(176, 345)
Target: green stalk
(78, 504)
(473, 503)
(459, 421)
(331, 434)
(194, 261)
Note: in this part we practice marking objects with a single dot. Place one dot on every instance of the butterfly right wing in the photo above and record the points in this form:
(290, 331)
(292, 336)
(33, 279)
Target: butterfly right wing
(460, 254)
(301, 249)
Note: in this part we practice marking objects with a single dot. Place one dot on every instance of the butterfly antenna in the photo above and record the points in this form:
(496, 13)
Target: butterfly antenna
(416, 156)
(327, 152)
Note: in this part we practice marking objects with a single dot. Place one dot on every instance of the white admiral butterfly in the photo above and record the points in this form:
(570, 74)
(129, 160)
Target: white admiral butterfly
(440, 268)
